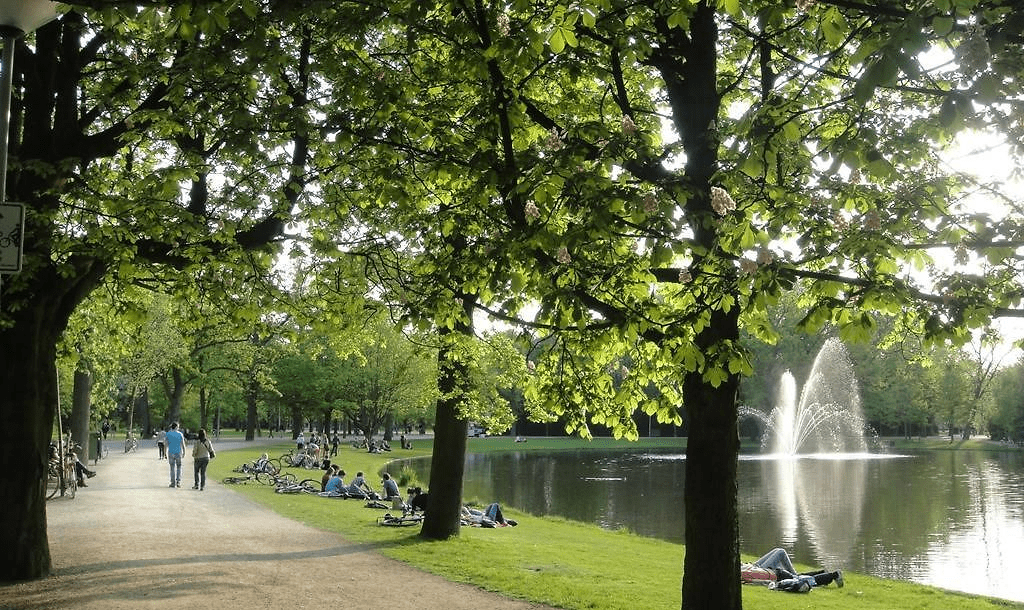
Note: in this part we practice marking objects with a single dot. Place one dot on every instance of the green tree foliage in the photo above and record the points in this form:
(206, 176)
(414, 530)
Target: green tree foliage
(97, 339)
(654, 175)
(807, 148)
(1007, 419)
(306, 383)
(388, 379)
(134, 105)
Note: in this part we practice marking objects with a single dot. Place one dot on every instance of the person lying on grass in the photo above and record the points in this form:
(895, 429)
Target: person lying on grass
(491, 517)
(775, 569)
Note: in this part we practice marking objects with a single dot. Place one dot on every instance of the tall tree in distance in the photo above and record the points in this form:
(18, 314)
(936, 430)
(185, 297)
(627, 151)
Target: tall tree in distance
(386, 378)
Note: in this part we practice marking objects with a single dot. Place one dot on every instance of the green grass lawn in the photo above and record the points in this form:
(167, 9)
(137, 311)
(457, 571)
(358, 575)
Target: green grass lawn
(551, 560)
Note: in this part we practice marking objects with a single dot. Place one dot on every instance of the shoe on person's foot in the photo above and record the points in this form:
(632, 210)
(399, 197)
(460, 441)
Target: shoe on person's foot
(195, 487)
(804, 586)
(90, 473)
(839, 579)
(178, 484)
(201, 488)
(171, 485)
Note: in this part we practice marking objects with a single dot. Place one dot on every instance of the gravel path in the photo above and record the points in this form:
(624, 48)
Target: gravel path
(129, 541)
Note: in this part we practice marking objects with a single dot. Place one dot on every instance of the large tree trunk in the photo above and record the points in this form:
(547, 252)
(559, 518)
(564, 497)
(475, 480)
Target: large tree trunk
(204, 410)
(175, 393)
(711, 567)
(35, 304)
(80, 400)
(142, 412)
(251, 414)
(389, 424)
(34, 309)
(27, 405)
(297, 421)
(448, 463)
(688, 62)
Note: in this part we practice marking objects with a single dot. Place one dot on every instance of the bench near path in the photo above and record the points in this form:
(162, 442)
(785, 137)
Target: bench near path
(130, 541)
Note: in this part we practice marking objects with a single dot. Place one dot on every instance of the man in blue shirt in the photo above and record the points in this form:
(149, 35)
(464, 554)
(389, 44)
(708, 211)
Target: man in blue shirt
(175, 450)
(358, 488)
(336, 484)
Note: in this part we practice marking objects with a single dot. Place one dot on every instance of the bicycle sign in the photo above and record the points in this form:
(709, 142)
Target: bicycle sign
(12, 231)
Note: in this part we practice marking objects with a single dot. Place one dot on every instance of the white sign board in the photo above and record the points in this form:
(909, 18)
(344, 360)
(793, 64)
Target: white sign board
(12, 232)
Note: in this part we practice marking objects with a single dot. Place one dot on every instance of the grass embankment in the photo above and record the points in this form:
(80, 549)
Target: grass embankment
(553, 561)
(936, 443)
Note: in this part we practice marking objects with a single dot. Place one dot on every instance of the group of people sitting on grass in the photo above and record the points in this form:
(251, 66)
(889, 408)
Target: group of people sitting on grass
(333, 482)
(334, 486)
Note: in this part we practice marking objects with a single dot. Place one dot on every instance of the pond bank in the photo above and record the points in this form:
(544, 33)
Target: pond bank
(567, 564)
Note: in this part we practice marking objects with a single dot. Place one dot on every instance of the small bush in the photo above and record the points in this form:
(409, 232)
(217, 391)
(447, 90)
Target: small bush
(407, 478)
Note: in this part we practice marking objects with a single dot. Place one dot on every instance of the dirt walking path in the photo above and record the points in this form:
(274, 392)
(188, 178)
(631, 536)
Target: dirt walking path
(129, 541)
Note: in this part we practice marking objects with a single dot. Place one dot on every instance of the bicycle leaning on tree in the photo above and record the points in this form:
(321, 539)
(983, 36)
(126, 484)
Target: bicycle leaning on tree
(60, 471)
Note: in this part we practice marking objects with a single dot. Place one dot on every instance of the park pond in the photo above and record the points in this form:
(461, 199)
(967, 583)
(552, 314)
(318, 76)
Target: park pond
(952, 519)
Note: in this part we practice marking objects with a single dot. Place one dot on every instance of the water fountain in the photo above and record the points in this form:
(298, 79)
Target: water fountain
(825, 417)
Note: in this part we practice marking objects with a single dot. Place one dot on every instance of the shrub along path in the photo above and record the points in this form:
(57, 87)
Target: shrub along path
(129, 541)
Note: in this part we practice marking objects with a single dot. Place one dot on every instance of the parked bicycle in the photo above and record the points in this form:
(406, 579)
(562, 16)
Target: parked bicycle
(131, 444)
(60, 475)
(291, 459)
(236, 480)
(263, 477)
(306, 486)
(262, 464)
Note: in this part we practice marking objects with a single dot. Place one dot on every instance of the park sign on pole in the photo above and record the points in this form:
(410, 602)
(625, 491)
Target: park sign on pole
(12, 231)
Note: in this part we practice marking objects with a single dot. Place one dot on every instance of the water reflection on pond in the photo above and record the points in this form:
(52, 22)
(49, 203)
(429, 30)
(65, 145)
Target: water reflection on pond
(951, 519)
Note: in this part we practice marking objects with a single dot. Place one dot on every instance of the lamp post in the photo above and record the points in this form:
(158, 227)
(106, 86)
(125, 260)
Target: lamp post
(17, 18)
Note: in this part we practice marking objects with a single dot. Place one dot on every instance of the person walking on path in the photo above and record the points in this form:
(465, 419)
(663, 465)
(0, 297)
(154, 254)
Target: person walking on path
(175, 451)
(161, 444)
(202, 453)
